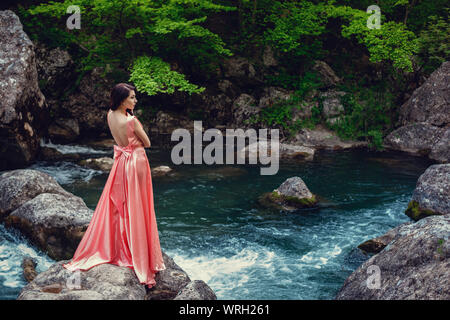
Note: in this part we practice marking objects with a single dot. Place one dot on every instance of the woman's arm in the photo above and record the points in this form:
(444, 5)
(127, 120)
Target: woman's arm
(139, 130)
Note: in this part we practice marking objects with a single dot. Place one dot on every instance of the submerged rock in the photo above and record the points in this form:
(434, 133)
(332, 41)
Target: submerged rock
(413, 266)
(291, 195)
(432, 193)
(377, 244)
(29, 269)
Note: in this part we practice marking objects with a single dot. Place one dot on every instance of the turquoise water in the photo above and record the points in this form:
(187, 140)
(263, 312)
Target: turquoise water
(211, 224)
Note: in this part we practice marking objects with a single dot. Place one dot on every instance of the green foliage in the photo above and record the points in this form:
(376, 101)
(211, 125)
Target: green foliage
(368, 114)
(115, 33)
(152, 75)
(435, 43)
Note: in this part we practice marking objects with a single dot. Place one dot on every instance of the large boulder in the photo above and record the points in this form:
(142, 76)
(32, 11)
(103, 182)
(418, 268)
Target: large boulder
(53, 219)
(429, 103)
(413, 266)
(111, 282)
(23, 111)
(19, 186)
(425, 119)
(432, 193)
(53, 222)
(102, 282)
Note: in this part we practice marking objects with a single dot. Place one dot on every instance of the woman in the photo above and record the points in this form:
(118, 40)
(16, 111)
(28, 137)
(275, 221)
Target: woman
(123, 228)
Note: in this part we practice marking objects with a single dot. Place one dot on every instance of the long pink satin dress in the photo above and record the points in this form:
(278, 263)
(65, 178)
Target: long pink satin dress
(123, 228)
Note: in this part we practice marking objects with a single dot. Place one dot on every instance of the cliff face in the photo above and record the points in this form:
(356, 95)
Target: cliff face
(23, 111)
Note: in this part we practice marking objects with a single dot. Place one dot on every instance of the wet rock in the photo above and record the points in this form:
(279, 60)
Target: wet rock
(377, 244)
(432, 193)
(103, 163)
(413, 266)
(285, 151)
(29, 269)
(23, 111)
(291, 195)
(161, 171)
(55, 223)
(196, 290)
(51, 154)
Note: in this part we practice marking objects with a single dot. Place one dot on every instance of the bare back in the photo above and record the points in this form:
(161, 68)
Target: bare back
(118, 126)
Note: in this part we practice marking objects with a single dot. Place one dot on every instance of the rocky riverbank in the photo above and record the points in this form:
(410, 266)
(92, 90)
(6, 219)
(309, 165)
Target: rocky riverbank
(411, 261)
(55, 220)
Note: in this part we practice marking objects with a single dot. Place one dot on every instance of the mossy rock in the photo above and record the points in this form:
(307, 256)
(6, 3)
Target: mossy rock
(416, 213)
(281, 202)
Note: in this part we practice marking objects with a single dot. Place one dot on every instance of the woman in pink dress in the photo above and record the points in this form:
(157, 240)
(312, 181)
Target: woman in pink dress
(123, 228)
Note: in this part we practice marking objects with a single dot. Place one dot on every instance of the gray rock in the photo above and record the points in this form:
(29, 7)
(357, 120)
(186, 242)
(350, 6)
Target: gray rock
(291, 195)
(440, 151)
(430, 103)
(273, 95)
(415, 138)
(425, 119)
(244, 108)
(284, 150)
(241, 71)
(22, 185)
(64, 130)
(327, 75)
(29, 268)
(23, 111)
(103, 163)
(102, 282)
(196, 290)
(432, 193)
(268, 57)
(332, 105)
(168, 282)
(323, 138)
(54, 222)
(414, 266)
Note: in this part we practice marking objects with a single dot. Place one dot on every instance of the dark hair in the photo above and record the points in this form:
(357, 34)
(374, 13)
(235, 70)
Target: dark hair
(120, 92)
